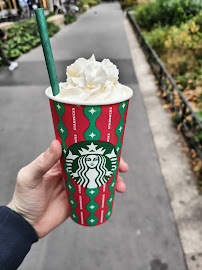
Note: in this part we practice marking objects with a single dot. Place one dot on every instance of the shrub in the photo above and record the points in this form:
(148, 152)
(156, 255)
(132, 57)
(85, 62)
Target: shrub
(157, 38)
(181, 51)
(90, 3)
(187, 36)
(23, 36)
(129, 3)
(52, 28)
(146, 15)
(166, 12)
(69, 19)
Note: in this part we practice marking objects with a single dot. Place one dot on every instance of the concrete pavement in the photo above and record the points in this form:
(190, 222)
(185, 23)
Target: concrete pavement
(141, 233)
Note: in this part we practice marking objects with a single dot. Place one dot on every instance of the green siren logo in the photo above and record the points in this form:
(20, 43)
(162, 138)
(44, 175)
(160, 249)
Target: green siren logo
(91, 163)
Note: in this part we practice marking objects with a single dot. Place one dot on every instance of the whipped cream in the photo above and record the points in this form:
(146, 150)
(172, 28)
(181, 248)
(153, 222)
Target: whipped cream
(90, 80)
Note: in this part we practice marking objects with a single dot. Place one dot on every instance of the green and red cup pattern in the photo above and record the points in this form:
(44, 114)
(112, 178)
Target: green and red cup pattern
(98, 130)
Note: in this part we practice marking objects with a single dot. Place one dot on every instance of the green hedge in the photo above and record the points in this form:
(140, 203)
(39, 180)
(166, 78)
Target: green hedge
(129, 3)
(91, 3)
(181, 50)
(23, 36)
(69, 19)
(166, 12)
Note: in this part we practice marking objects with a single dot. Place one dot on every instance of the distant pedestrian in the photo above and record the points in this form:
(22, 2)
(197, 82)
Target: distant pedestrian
(19, 11)
(31, 10)
(11, 65)
(55, 6)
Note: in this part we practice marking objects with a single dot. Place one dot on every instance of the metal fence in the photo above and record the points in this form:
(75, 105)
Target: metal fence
(188, 121)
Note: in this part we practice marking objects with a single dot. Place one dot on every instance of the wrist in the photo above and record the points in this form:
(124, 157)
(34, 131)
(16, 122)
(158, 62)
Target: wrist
(20, 211)
(12, 206)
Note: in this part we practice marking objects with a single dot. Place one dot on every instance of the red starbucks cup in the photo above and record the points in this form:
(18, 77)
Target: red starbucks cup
(91, 135)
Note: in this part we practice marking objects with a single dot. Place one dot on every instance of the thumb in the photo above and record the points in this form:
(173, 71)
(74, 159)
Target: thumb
(44, 162)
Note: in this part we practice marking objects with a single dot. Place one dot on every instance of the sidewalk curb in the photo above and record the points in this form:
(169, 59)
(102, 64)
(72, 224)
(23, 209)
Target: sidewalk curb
(175, 165)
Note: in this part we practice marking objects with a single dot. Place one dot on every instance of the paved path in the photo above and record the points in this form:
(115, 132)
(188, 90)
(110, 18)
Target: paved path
(141, 234)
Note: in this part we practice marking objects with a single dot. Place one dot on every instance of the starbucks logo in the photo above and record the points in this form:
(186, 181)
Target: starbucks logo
(91, 164)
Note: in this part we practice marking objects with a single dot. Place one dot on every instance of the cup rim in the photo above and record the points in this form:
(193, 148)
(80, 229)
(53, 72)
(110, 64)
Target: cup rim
(88, 103)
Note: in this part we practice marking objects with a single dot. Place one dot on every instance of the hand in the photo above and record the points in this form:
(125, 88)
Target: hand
(40, 196)
(5, 37)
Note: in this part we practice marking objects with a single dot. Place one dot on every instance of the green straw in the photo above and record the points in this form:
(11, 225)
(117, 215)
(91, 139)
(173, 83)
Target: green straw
(50, 64)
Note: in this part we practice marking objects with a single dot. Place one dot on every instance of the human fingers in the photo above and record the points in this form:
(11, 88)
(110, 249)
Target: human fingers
(120, 186)
(123, 166)
(43, 163)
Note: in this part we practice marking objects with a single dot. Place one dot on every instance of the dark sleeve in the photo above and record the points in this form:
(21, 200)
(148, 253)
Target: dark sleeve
(1, 33)
(16, 238)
